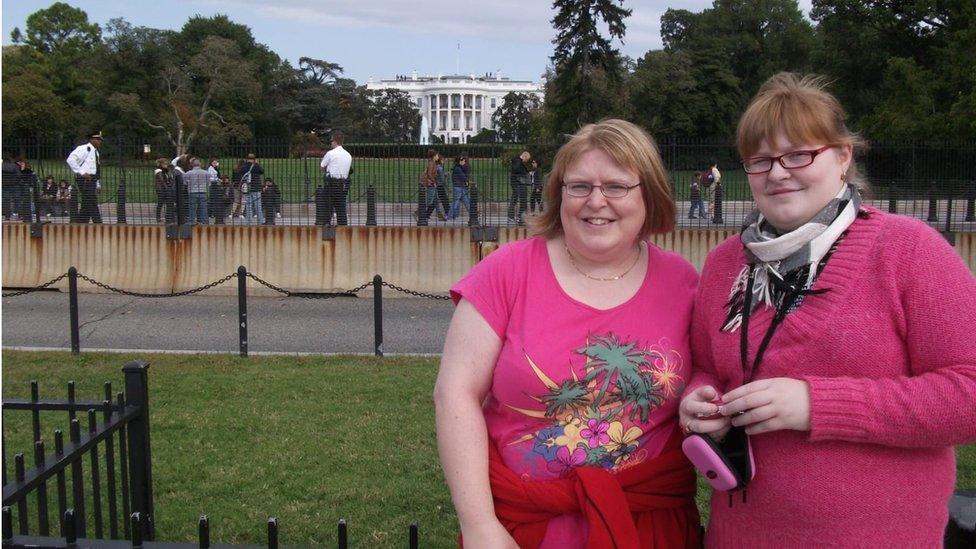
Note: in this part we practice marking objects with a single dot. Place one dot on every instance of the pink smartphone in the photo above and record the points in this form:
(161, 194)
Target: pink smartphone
(728, 465)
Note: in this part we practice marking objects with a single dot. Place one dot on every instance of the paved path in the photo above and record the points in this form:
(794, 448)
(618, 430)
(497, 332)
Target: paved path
(209, 323)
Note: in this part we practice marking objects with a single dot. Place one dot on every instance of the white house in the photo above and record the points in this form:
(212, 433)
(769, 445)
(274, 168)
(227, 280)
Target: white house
(457, 106)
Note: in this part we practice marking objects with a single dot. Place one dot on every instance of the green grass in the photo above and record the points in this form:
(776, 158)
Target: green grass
(308, 440)
(395, 179)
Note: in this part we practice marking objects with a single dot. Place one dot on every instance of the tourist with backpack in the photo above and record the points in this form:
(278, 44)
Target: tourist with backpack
(251, 190)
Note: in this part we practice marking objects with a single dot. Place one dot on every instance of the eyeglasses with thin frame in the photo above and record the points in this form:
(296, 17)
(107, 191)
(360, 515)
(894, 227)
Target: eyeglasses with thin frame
(583, 189)
(792, 160)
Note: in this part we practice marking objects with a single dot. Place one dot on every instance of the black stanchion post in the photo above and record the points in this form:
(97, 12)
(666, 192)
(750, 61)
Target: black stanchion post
(320, 205)
(120, 201)
(343, 536)
(370, 205)
(971, 202)
(933, 206)
(203, 532)
(8, 526)
(892, 203)
(717, 196)
(272, 533)
(422, 219)
(473, 212)
(140, 450)
(73, 203)
(136, 521)
(70, 531)
(36, 199)
(378, 315)
(948, 220)
(242, 309)
(73, 308)
(414, 537)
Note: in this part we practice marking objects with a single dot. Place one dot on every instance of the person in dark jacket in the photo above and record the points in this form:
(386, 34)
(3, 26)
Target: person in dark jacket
(49, 197)
(217, 198)
(270, 200)
(11, 173)
(459, 177)
(519, 181)
(24, 197)
(535, 182)
(165, 198)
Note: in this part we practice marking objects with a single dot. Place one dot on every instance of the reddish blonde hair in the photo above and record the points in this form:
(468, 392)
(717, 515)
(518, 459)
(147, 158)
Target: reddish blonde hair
(629, 146)
(805, 111)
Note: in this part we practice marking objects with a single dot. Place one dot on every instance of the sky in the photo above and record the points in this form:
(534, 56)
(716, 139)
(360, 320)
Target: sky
(383, 38)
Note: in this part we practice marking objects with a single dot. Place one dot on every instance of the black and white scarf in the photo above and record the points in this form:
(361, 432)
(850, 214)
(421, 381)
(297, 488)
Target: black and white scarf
(789, 260)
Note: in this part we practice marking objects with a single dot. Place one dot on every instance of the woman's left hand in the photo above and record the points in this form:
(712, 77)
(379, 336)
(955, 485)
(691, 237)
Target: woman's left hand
(769, 405)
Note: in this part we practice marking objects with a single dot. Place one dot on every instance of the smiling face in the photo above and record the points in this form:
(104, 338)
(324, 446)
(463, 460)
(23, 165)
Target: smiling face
(597, 227)
(790, 198)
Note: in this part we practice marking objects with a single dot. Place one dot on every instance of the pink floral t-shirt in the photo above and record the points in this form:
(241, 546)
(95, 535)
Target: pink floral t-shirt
(574, 385)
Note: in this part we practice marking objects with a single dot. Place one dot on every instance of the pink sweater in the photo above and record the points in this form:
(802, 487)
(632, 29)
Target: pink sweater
(890, 359)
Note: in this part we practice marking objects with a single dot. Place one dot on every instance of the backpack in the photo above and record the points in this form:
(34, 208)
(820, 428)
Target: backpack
(246, 180)
(706, 179)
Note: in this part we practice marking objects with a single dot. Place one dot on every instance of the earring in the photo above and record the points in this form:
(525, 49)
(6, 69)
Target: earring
(843, 177)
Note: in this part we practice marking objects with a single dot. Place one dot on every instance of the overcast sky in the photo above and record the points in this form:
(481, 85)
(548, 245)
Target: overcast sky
(383, 38)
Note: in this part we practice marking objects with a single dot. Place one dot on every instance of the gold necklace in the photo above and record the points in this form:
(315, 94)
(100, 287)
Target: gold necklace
(597, 278)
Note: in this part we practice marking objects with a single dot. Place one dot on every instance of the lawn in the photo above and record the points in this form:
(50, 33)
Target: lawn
(395, 179)
(308, 440)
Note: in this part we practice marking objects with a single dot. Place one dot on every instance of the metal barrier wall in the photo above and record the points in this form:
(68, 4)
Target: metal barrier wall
(299, 259)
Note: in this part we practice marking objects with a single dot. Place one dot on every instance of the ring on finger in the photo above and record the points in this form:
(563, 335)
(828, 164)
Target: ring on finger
(687, 428)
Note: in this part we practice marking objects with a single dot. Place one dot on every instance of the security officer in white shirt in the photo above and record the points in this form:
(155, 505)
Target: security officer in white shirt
(336, 165)
(84, 161)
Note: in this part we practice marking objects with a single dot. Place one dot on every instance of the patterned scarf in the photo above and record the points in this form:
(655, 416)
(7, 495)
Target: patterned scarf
(787, 264)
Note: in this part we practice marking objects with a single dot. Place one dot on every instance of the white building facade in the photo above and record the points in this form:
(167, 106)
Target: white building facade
(458, 106)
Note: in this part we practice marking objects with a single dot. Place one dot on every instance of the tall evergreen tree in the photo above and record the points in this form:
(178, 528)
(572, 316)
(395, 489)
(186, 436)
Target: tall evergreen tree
(588, 69)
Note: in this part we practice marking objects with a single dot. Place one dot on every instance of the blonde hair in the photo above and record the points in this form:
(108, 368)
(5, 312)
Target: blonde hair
(629, 146)
(805, 111)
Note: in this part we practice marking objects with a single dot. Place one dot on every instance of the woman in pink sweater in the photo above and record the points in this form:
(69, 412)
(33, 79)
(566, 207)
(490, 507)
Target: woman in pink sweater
(838, 337)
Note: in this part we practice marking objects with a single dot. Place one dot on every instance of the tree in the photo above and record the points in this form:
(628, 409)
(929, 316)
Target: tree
(395, 115)
(66, 40)
(484, 136)
(514, 116)
(60, 30)
(901, 68)
(192, 95)
(588, 70)
(309, 100)
(30, 103)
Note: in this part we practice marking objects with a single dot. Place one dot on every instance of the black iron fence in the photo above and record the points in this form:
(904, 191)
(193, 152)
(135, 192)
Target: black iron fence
(27, 511)
(122, 483)
(934, 182)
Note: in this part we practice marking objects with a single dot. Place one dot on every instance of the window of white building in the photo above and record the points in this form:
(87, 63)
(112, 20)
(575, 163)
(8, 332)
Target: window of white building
(493, 102)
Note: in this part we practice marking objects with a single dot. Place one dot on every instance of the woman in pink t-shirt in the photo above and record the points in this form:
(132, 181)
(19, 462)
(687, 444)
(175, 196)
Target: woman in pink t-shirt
(559, 384)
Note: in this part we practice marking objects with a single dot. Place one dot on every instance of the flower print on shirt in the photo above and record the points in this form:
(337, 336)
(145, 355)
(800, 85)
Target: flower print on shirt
(597, 420)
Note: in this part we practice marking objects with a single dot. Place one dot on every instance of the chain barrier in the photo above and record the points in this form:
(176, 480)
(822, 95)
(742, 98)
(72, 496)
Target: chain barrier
(306, 295)
(415, 293)
(173, 294)
(36, 288)
(250, 275)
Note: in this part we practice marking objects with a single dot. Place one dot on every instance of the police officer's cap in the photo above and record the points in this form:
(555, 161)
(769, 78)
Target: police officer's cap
(96, 135)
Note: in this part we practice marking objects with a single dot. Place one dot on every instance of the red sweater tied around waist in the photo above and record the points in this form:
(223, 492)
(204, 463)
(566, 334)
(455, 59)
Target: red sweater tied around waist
(649, 505)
